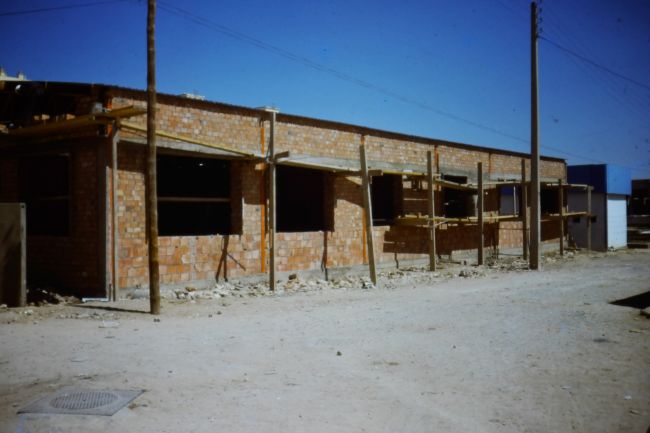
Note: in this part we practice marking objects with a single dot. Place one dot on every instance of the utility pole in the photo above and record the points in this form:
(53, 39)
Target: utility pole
(152, 200)
(535, 217)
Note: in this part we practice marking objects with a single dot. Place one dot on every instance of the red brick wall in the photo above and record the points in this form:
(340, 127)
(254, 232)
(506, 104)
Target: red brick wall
(186, 259)
(72, 262)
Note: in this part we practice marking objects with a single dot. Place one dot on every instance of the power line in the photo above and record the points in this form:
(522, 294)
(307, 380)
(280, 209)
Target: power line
(591, 62)
(612, 87)
(631, 100)
(512, 9)
(56, 8)
(174, 10)
(326, 69)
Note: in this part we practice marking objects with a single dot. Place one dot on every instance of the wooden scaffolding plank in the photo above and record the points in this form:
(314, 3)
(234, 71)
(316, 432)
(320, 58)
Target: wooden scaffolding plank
(565, 215)
(187, 139)
(424, 221)
(454, 185)
(70, 125)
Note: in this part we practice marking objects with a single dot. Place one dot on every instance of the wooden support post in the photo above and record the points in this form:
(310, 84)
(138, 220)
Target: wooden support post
(589, 188)
(524, 210)
(272, 201)
(367, 205)
(114, 224)
(152, 199)
(479, 206)
(263, 191)
(103, 215)
(560, 200)
(432, 213)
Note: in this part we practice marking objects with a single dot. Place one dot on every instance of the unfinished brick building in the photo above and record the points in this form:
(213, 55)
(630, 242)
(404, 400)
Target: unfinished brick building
(75, 154)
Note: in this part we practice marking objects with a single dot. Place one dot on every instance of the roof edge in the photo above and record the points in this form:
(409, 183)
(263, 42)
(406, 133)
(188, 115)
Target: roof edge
(293, 118)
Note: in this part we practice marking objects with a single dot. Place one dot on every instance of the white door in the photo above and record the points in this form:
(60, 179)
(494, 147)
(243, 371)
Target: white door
(616, 222)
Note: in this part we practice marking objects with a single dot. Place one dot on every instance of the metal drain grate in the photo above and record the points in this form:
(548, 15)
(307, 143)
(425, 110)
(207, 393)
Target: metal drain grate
(82, 402)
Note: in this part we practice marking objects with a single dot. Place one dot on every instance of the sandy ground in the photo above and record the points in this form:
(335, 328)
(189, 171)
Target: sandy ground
(494, 351)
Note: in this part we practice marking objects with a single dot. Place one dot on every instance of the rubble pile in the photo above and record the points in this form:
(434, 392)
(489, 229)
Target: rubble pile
(44, 296)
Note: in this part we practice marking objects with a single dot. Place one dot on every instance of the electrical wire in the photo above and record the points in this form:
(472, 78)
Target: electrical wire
(56, 8)
(591, 62)
(170, 8)
(163, 5)
(179, 12)
(631, 101)
(604, 80)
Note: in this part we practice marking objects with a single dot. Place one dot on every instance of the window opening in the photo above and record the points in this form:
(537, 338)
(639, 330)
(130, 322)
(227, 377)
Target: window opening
(548, 198)
(510, 200)
(458, 203)
(301, 200)
(193, 196)
(386, 194)
(45, 189)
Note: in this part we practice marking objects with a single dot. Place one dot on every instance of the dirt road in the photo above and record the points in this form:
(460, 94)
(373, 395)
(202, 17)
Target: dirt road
(494, 351)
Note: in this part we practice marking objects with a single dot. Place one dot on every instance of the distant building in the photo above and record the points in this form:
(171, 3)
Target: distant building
(638, 218)
(611, 189)
(4, 77)
(640, 200)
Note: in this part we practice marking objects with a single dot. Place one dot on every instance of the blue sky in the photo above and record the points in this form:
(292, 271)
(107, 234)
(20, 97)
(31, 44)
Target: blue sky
(435, 62)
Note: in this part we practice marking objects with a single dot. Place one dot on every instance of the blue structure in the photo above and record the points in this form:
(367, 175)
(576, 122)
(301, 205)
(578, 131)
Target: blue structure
(612, 185)
(605, 178)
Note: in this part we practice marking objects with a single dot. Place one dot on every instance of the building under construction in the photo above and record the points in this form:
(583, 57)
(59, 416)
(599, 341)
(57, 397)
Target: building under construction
(75, 154)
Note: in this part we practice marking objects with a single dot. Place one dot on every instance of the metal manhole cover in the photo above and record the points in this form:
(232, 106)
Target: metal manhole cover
(82, 402)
